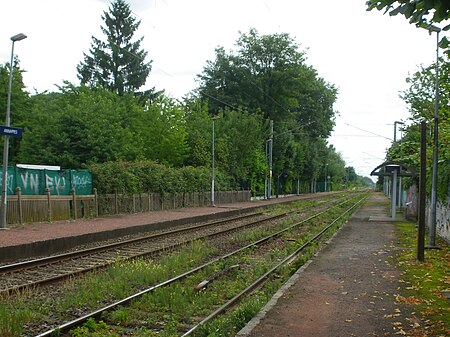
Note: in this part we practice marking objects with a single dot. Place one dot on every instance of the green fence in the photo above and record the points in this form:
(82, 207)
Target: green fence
(34, 182)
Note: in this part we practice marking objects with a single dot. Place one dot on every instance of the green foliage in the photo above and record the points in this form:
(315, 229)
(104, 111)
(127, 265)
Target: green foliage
(267, 75)
(419, 12)
(149, 176)
(422, 13)
(82, 125)
(165, 133)
(92, 328)
(20, 104)
(265, 79)
(117, 64)
(420, 97)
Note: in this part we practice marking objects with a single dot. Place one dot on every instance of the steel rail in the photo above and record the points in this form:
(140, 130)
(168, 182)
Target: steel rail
(289, 259)
(95, 314)
(70, 255)
(80, 253)
(99, 266)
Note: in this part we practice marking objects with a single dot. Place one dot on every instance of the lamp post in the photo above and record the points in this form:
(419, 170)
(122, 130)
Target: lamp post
(432, 238)
(212, 165)
(4, 198)
(399, 197)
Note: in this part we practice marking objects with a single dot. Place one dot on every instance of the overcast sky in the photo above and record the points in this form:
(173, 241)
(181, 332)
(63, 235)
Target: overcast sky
(367, 55)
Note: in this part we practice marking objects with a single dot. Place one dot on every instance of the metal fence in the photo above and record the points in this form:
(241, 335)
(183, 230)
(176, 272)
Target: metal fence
(35, 208)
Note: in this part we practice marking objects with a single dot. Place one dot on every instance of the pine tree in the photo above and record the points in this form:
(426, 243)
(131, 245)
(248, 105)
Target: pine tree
(117, 64)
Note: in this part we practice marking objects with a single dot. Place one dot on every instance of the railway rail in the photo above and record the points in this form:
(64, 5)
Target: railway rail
(231, 302)
(18, 276)
(29, 274)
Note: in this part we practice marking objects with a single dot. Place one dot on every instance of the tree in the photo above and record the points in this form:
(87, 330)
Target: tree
(75, 127)
(268, 74)
(420, 98)
(419, 12)
(422, 13)
(117, 64)
(20, 104)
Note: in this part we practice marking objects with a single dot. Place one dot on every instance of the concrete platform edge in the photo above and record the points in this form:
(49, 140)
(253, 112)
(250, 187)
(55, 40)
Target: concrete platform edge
(54, 246)
(247, 329)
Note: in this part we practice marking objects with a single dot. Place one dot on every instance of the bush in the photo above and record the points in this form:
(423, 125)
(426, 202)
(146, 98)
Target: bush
(150, 177)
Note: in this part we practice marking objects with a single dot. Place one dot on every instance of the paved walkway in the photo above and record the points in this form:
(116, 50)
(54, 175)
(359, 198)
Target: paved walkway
(348, 289)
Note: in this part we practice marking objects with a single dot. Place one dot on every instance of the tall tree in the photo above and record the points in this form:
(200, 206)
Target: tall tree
(20, 104)
(118, 63)
(268, 73)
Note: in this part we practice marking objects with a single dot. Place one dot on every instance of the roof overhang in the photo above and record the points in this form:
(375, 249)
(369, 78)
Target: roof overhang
(388, 168)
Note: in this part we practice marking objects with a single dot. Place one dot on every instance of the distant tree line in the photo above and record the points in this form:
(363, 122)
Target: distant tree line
(105, 123)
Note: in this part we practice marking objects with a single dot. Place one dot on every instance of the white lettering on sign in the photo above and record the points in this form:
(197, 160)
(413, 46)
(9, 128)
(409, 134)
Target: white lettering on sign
(55, 184)
(81, 182)
(11, 131)
(34, 181)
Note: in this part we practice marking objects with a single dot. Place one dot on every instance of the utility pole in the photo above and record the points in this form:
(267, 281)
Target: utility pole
(433, 199)
(422, 192)
(212, 163)
(269, 187)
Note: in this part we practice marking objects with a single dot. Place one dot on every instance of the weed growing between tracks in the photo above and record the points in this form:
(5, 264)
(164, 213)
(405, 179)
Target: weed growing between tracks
(168, 310)
(424, 285)
(175, 308)
(29, 313)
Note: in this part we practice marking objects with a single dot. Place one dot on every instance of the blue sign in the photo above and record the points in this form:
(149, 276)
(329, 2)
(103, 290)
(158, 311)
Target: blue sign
(10, 131)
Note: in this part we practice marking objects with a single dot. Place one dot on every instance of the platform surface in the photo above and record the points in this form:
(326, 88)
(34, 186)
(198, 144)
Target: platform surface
(348, 289)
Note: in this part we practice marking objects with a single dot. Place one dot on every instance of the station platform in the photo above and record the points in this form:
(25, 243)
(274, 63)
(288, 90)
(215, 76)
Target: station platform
(347, 289)
(44, 238)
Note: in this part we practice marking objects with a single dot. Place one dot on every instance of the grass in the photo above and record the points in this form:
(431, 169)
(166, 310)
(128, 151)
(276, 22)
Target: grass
(90, 291)
(168, 308)
(424, 284)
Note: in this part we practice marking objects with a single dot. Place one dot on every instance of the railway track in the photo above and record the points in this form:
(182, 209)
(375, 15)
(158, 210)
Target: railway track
(16, 277)
(235, 299)
(32, 273)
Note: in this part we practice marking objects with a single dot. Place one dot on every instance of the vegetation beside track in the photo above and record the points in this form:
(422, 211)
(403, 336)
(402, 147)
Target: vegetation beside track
(170, 309)
(425, 284)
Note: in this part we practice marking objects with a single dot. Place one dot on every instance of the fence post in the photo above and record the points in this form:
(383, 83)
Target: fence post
(116, 202)
(134, 202)
(19, 204)
(49, 204)
(74, 203)
(96, 201)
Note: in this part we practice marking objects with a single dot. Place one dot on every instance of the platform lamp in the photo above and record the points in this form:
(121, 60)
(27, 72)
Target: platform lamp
(4, 199)
(212, 163)
(432, 232)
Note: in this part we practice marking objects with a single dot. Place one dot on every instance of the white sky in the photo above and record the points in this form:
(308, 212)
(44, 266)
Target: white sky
(367, 55)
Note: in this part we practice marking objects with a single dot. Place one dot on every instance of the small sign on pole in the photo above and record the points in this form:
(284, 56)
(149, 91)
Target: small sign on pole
(10, 131)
